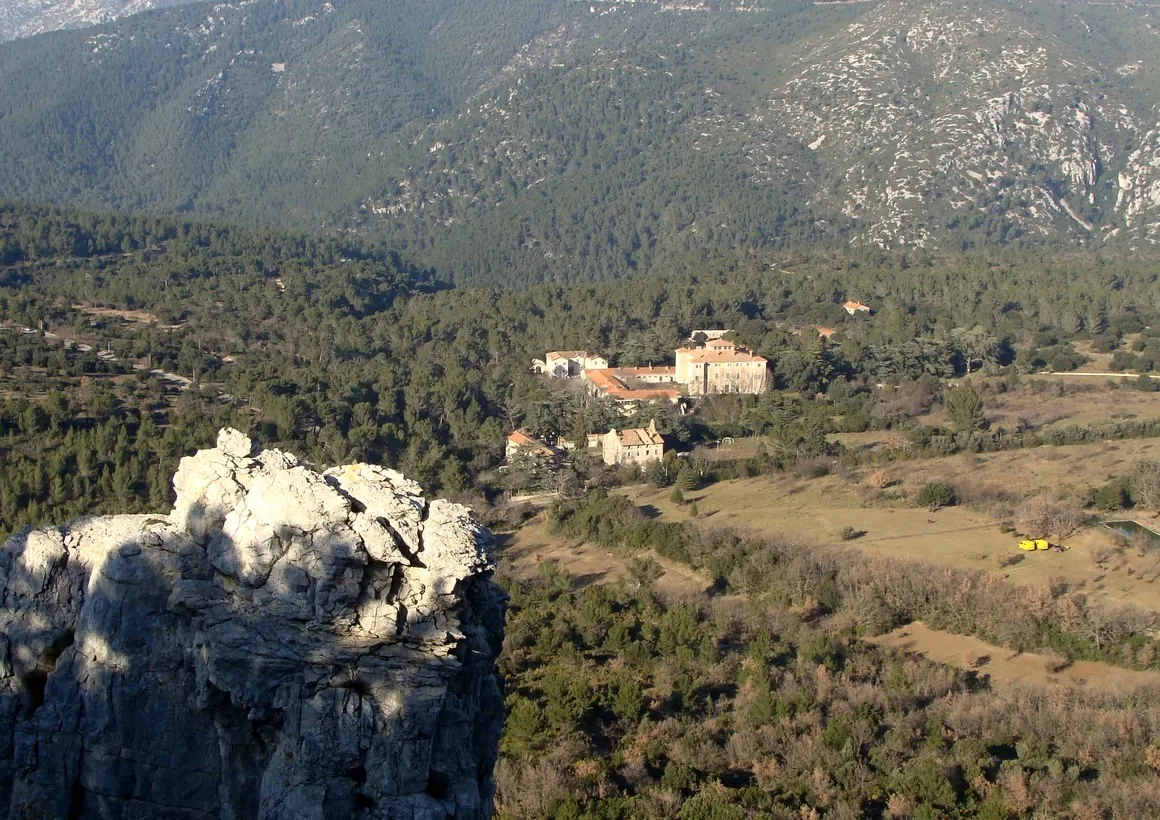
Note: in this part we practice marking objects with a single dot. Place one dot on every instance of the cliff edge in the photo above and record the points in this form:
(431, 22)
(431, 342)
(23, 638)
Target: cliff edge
(285, 644)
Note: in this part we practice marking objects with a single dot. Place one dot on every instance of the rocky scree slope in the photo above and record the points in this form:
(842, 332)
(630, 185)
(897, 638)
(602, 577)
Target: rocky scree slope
(286, 643)
(25, 18)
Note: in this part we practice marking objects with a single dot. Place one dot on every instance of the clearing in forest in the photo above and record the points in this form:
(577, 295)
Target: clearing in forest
(1004, 666)
(526, 549)
(818, 509)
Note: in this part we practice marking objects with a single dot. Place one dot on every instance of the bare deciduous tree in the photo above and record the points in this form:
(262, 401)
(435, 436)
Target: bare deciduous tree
(1039, 518)
(1146, 484)
(1033, 518)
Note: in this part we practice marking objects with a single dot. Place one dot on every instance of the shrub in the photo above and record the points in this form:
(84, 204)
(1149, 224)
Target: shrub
(850, 533)
(812, 468)
(965, 406)
(879, 479)
(693, 511)
(935, 495)
(677, 497)
(1111, 496)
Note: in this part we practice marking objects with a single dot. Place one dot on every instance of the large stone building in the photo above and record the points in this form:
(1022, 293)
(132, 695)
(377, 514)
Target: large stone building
(718, 366)
(721, 367)
(637, 446)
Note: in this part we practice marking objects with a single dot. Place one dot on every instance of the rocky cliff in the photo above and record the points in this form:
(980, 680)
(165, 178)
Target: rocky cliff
(286, 643)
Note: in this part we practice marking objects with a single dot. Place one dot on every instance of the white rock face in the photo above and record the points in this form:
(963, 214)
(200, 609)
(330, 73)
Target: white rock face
(286, 644)
(25, 18)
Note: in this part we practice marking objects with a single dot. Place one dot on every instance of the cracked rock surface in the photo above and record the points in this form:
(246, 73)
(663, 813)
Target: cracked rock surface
(285, 644)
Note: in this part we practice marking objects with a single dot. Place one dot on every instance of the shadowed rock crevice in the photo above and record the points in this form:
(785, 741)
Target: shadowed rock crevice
(274, 648)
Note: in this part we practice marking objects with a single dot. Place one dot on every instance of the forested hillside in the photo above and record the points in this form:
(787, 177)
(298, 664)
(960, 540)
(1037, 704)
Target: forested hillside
(347, 352)
(622, 704)
(569, 141)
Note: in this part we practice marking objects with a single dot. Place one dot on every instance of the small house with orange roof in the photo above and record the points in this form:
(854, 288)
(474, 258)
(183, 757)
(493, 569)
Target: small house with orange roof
(520, 443)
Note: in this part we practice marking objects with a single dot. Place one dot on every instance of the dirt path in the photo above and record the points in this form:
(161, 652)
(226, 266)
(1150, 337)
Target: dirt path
(1070, 373)
(174, 379)
(1006, 667)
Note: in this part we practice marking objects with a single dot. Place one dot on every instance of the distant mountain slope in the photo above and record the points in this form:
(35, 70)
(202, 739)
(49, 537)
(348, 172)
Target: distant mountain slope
(25, 18)
(557, 140)
(947, 116)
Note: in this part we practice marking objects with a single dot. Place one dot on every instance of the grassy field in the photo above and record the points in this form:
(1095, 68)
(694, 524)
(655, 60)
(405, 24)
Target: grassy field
(1059, 472)
(1003, 666)
(526, 549)
(818, 510)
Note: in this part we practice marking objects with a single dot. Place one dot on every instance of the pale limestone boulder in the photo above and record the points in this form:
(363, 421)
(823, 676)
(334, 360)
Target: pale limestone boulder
(285, 644)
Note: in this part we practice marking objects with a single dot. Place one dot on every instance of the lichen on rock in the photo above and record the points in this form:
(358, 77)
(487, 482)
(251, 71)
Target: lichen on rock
(287, 643)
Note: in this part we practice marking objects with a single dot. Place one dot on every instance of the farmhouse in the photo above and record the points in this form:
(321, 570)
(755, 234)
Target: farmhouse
(636, 446)
(853, 307)
(520, 443)
(567, 364)
(721, 367)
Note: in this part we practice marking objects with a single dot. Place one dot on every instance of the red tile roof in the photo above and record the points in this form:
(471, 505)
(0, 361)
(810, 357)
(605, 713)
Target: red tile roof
(607, 382)
(639, 437)
(736, 354)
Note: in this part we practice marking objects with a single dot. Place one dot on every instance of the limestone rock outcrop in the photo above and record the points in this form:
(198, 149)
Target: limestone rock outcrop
(285, 644)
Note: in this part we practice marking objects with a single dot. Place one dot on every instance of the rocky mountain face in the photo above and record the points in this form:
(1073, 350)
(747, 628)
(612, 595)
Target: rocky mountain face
(285, 644)
(25, 18)
(933, 116)
(592, 140)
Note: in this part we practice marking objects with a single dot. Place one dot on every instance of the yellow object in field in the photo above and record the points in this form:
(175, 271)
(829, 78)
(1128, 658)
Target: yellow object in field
(1032, 544)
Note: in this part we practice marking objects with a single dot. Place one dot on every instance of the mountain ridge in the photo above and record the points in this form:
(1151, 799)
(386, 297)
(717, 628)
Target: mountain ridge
(589, 141)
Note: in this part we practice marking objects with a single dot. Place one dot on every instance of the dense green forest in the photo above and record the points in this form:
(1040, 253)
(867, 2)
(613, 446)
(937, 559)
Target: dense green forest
(576, 142)
(218, 132)
(345, 352)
